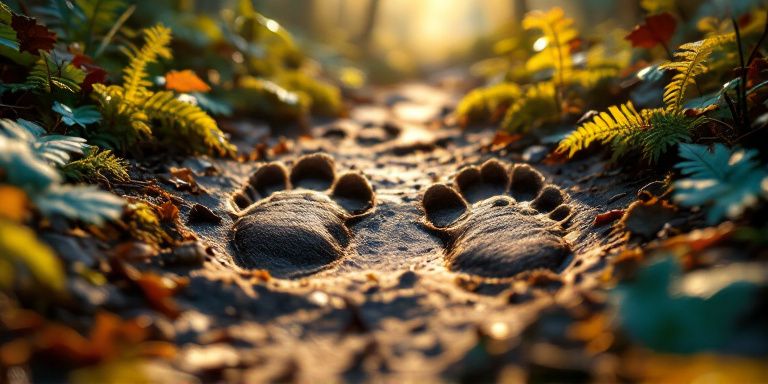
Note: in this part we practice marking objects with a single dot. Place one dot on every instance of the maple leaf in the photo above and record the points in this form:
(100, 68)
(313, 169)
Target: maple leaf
(185, 81)
(32, 37)
(657, 29)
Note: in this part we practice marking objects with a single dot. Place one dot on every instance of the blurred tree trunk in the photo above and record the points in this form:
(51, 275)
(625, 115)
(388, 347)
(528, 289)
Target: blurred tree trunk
(370, 22)
(519, 9)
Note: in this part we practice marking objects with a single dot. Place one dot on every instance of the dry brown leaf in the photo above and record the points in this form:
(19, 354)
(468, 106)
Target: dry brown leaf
(168, 212)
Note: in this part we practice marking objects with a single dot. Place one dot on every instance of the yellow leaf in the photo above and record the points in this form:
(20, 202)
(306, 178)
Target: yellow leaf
(19, 245)
(184, 82)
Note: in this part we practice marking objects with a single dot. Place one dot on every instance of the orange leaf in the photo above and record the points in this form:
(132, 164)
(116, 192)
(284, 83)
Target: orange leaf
(503, 139)
(608, 217)
(185, 81)
(657, 29)
(14, 206)
(168, 212)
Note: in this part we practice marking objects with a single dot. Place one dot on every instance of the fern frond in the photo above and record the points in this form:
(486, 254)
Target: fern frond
(727, 181)
(179, 120)
(79, 202)
(49, 76)
(21, 167)
(135, 76)
(690, 62)
(606, 127)
(558, 31)
(487, 104)
(667, 130)
(55, 149)
(537, 106)
(96, 165)
(123, 123)
(589, 77)
(324, 98)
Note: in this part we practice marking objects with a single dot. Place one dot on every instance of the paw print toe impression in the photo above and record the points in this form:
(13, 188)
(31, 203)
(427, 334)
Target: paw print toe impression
(499, 220)
(297, 224)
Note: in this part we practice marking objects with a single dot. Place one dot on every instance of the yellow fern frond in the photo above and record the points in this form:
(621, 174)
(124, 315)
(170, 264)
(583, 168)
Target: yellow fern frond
(135, 76)
(537, 106)
(558, 31)
(690, 62)
(186, 122)
(486, 104)
(125, 122)
(618, 122)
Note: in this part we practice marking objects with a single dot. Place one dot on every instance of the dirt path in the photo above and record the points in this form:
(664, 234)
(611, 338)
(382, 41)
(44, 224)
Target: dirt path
(389, 262)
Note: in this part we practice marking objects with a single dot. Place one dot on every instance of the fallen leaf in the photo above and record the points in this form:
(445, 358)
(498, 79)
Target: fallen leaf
(202, 214)
(283, 146)
(647, 218)
(14, 206)
(168, 212)
(657, 29)
(184, 180)
(32, 37)
(134, 251)
(185, 81)
(608, 217)
(503, 139)
(159, 291)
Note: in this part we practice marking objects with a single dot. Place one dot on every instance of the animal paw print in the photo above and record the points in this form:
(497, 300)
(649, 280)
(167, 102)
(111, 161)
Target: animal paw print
(297, 224)
(498, 220)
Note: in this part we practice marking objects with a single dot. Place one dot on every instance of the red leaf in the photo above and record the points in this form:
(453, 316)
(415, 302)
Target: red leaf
(657, 29)
(32, 37)
(94, 74)
(608, 217)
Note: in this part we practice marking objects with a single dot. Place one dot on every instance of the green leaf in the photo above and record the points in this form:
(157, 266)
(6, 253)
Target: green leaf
(727, 181)
(8, 37)
(651, 313)
(54, 148)
(85, 203)
(81, 116)
(49, 75)
(23, 168)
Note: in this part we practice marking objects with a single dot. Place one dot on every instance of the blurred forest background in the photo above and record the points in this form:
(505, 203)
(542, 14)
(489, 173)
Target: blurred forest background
(402, 37)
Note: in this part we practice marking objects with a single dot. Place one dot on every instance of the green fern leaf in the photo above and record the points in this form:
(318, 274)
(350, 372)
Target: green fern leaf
(54, 148)
(95, 166)
(727, 181)
(8, 37)
(81, 116)
(667, 130)
(84, 203)
(49, 76)
(22, 167)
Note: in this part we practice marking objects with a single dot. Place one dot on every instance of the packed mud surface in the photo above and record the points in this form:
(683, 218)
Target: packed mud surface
(386, 245)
